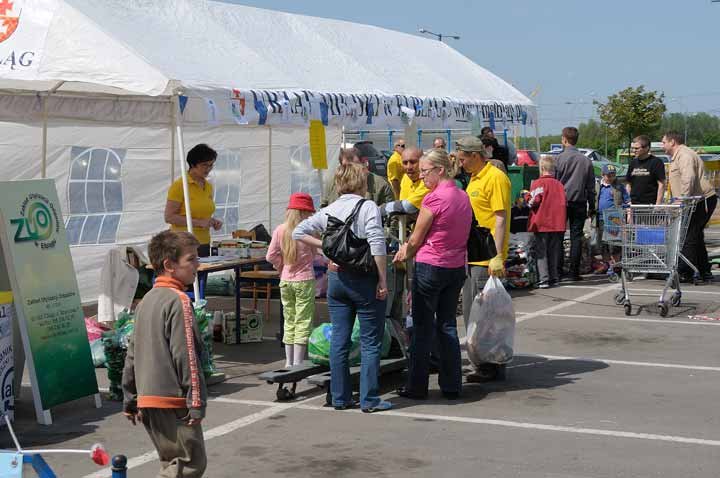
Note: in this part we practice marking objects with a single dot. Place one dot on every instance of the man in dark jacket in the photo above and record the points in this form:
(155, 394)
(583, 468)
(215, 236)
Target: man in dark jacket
(575, 171)
(500, 153)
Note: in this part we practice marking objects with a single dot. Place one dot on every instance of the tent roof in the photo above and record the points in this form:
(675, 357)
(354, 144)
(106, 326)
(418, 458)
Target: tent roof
(149, 48)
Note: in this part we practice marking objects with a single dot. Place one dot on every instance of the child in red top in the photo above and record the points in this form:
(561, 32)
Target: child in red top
(547, 222)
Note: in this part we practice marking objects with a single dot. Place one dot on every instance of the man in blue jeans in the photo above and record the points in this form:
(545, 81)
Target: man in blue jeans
(575, 171)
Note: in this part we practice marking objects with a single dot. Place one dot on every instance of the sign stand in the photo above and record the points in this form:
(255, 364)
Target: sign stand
(45, 295)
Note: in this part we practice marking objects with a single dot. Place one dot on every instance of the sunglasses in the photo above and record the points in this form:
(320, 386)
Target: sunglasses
(400, 146)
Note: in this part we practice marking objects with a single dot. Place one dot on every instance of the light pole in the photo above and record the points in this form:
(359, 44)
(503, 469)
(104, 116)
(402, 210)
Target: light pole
(439, 36)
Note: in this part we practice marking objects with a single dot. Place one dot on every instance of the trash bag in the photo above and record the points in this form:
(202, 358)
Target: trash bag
(204, 320)
(319, 344)
(97, 348)
(491, 326)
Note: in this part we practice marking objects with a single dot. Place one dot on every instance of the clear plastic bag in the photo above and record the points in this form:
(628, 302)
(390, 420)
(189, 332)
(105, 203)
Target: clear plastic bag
(491, 326)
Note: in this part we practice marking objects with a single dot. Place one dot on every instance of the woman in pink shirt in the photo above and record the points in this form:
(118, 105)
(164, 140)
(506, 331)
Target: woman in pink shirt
(294, 260)
(439, 245)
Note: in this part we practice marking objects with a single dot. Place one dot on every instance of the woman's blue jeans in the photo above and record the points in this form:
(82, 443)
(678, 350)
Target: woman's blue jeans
(350, 294)
(435, 292)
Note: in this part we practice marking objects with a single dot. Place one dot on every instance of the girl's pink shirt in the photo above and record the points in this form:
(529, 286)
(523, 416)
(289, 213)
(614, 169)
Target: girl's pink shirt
(302, 269)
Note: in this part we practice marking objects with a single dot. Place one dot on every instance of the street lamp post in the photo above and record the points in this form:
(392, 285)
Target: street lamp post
(439, 36)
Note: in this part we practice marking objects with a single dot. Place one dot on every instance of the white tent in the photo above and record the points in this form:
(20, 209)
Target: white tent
(89, 96)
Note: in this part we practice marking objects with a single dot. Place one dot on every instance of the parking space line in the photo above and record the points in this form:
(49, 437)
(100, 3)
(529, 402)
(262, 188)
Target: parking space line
(539, 426)
(220, 430)
(566, 303)
(631, 319)
(632, 289)
(623, 362)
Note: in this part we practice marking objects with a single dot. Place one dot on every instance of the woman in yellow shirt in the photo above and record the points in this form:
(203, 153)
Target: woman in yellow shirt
(201, 160)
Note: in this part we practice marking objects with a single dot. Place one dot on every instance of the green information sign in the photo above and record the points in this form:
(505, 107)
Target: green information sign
(46, 296)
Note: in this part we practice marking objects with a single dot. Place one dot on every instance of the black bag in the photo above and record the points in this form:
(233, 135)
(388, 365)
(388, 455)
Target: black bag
(481, 244)
(343, 247)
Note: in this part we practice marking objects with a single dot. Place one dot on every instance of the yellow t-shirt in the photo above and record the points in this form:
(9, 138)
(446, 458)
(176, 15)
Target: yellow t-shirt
(489, 190)
(202, 205)
(413, 192)
(395, 171)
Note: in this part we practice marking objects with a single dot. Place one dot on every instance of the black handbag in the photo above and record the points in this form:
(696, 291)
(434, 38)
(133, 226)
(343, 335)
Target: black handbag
(481, 244)
(344, 248)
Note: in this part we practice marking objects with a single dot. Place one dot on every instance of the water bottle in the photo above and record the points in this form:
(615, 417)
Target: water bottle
(218, 326)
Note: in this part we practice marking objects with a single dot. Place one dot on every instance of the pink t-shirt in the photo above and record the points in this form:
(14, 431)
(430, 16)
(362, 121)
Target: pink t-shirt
(446, 242)
(302, 269)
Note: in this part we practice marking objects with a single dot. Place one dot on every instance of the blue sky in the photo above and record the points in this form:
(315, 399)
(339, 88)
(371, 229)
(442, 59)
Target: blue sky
(573, 50)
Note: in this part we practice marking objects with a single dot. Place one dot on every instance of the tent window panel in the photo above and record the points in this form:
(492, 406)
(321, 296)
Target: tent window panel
(76, 198)
(108, 232)
(234, 194)
(73, 228)
(112, 169)
(232, 219)
(221, 192)
(97, 164)
(303, 178)
(91, 230)
(95, 199)
(220, 214)
(113, 197)
(79, 168)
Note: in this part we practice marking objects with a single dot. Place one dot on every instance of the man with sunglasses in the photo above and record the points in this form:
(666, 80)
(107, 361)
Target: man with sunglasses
(395, 170)
(646, 174)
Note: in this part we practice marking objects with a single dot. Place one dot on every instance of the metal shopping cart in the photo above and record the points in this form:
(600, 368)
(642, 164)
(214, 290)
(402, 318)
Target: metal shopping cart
(651, 238)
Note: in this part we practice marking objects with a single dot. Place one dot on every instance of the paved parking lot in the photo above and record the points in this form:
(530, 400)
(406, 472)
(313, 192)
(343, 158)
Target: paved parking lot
(590, 393)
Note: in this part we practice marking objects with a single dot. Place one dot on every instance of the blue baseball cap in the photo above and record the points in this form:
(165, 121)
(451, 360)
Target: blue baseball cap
(609, 169)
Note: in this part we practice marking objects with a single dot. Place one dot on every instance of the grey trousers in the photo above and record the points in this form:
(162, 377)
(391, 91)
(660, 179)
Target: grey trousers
(181, 448)
(475, 282)
(548, 249)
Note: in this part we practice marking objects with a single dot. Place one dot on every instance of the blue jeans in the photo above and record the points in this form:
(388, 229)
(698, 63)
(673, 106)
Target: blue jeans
(350, 294)
(435, 292)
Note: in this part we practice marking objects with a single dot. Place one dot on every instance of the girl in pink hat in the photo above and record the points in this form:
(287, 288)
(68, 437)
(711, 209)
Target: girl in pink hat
(294, 260)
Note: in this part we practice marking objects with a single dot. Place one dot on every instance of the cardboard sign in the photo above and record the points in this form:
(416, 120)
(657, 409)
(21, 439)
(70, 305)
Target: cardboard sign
(46, 296)
(7, 359)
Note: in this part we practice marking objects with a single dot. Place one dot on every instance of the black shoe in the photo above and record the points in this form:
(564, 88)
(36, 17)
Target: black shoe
(405, 393)
(543, 285)
(451, 395)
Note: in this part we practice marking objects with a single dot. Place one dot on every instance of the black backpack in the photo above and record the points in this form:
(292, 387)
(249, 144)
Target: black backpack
(343, 247)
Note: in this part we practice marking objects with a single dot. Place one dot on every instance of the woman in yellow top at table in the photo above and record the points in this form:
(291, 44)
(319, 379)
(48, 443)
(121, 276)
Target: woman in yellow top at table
(201, 160)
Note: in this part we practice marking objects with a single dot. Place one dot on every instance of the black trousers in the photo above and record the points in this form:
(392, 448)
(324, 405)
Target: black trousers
(577, 215)
(694, 248)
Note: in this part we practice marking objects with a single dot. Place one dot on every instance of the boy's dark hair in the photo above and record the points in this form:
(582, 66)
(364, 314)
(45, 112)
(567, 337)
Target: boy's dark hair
(571, 134)
(675, 136)
(200, 153)
(486, 130)
(169, 245)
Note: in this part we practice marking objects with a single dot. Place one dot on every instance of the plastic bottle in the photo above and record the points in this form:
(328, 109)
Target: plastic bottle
(218, 326)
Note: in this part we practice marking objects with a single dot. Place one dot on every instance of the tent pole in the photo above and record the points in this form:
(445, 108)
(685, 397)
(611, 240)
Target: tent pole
(43, 159)
(45, 114)
(173, 125)
(186, 190)
(269, 178)
(537, 133)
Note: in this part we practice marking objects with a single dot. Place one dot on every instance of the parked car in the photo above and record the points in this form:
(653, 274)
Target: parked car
(527, 157)
(598, 161)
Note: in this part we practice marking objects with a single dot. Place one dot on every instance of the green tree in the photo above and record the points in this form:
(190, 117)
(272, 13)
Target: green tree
(631, 112)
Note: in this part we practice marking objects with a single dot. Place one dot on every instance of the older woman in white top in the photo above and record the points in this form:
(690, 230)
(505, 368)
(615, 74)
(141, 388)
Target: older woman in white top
(352, 293)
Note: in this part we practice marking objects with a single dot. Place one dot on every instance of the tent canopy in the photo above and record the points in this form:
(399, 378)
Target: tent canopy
(208, 49)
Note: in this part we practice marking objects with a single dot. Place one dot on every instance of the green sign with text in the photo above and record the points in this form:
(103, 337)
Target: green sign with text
(45, 291)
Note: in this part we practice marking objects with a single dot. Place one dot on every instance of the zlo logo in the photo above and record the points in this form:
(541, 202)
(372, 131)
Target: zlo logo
(9, 18)
(38, 222)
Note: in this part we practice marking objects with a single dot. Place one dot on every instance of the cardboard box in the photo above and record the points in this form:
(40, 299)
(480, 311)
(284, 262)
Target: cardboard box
(251, 326)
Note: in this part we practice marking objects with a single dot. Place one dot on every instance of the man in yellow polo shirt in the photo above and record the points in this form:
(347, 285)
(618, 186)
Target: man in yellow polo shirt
(395, 171)
(412, 188)
(489, 190)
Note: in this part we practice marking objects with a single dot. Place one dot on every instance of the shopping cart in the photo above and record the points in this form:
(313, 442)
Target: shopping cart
(651, 239)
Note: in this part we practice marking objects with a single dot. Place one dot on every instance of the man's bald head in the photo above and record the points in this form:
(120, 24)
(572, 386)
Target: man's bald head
(411, 162)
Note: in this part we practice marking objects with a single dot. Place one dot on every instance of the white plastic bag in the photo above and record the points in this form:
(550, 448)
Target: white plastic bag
(491, 326)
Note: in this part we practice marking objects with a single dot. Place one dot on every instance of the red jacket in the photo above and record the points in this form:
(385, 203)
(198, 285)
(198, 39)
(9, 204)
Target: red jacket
(548, 205)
